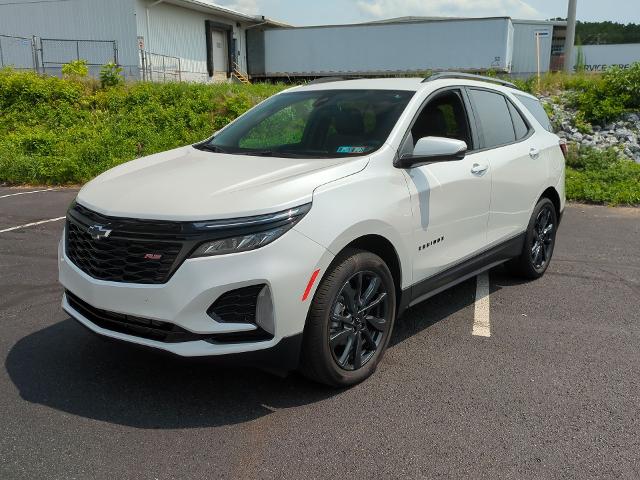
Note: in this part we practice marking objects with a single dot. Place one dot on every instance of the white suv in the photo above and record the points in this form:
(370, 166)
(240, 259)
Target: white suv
(296, 235)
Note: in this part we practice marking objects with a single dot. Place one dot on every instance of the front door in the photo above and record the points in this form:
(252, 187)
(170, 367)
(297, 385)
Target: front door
(450, 200)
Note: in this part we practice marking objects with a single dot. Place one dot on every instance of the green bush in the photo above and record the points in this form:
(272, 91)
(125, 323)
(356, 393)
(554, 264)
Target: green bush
(110, 75)
(607, 97)
(76, 68)
(526, 85)
(61, 131)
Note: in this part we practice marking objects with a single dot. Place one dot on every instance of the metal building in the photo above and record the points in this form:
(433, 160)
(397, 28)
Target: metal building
(154, 39)
(535, 39)
(197, 40)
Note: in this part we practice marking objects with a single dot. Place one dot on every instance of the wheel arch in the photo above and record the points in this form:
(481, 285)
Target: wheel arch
(382, 247)
(552, 194)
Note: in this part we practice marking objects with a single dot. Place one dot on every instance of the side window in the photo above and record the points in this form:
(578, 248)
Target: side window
(495, 120)
(519, 125)
(444, 116)
(537, 110)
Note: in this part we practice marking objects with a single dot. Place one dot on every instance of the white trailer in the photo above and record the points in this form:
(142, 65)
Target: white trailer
(473, 45)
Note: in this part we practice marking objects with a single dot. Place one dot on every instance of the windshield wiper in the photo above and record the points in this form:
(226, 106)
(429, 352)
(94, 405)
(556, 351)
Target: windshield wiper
(211, 148)
(259, 153)
(281, 154)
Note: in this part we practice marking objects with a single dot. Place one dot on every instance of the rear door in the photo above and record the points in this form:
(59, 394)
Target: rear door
(517, 171)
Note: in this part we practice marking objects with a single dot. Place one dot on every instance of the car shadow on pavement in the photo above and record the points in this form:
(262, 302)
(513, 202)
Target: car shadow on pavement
(67, 368)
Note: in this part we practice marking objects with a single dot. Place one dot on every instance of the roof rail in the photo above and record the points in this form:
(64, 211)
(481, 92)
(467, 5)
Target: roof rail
(330, 79)
(469, 76)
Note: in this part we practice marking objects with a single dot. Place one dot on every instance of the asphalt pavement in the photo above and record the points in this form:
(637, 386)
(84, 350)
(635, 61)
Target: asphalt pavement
(553, 392)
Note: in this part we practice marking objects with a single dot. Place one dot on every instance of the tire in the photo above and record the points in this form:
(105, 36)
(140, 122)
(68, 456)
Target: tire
(332, 332)
(539, 243)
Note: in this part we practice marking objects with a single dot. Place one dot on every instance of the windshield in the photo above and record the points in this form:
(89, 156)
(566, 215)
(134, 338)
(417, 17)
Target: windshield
(321, 123)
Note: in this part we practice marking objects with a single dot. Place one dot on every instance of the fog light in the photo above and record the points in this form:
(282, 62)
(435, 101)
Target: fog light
(264, 310)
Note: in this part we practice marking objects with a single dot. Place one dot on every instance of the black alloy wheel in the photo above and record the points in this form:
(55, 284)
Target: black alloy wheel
(543, 237)
(358, 320)
(350, 320)
(539, 242)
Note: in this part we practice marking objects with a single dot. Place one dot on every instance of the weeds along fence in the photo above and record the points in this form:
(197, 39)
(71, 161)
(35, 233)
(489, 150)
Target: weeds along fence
(55, 52)
(47, 55)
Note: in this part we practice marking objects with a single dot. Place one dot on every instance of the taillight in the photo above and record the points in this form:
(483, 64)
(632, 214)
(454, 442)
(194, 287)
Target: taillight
(563, 147)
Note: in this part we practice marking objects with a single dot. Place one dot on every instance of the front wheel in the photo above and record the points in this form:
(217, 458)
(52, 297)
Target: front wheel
(539, 242)
(350, 320)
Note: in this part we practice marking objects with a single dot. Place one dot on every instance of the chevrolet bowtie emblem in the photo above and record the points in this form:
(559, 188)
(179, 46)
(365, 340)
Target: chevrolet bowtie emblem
(98, 232)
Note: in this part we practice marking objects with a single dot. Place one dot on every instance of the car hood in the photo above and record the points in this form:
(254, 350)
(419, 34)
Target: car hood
(191, 184)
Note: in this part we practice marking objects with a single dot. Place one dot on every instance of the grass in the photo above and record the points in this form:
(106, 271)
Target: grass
(553, 82)
(599, 177)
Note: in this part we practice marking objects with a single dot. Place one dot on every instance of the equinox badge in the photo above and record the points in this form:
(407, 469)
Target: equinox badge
(98, 231)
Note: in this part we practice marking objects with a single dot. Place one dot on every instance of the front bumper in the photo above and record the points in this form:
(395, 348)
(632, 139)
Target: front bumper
(284, 265)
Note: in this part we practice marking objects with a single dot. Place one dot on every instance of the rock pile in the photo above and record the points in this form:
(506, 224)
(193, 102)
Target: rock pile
(622, 135)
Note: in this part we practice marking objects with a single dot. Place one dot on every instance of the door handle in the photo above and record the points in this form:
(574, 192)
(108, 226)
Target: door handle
(478, 169)
(534, 153)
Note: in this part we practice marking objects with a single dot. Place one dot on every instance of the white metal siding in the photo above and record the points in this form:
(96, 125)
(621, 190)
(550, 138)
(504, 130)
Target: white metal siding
(76, 19)
(180, 32)
(407, 47)
(524, 47)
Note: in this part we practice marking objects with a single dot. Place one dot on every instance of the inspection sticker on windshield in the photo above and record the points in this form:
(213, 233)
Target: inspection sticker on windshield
(351, 149)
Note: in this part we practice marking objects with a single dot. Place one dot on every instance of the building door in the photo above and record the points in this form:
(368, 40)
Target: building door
(220, 51)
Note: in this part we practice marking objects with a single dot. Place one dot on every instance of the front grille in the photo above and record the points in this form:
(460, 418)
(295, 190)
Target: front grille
(236, 306)
(134, 252)
(120, 260)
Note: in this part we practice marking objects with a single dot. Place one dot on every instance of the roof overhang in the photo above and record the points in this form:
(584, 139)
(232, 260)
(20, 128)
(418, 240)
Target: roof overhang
(206, 6)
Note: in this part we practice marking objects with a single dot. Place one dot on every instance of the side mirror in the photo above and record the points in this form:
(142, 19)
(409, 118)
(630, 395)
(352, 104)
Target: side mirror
(433, 150)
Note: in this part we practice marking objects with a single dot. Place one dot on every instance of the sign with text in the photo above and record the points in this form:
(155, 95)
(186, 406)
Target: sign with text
(597, 58)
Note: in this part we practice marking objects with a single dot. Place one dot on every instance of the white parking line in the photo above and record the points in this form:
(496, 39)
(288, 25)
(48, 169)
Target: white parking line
(481, 323)
(27, 193)
(32, 224)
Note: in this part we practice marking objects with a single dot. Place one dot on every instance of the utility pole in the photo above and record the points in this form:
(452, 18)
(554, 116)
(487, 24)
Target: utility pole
(571, 36)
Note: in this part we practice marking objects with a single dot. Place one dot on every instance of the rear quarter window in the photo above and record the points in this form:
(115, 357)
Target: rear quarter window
(493, 112)
(537, 110)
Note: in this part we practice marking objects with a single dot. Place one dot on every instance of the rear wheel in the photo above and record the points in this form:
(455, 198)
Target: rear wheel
(350, 320)
(539, 242)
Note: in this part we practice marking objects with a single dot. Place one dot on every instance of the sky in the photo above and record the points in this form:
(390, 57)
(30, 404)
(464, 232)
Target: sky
(320, 12)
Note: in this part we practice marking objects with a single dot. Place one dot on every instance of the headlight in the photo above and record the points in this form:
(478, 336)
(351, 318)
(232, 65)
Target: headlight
(260, 231)
(238, 244)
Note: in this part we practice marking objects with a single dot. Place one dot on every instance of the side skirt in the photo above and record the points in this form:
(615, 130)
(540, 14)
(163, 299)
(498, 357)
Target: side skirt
(461, 272)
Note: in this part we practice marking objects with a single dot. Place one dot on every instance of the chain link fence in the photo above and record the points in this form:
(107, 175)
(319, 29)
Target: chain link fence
(160, 68)
(48, 55)
(18, 53)
(55, 52)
